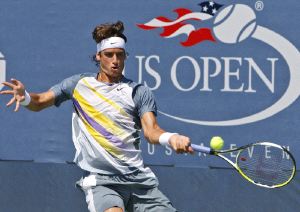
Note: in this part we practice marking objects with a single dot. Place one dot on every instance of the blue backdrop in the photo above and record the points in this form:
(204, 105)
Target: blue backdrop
(240, 82)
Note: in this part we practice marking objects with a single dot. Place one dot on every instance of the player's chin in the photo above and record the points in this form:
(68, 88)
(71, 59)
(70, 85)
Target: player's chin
(116, 71)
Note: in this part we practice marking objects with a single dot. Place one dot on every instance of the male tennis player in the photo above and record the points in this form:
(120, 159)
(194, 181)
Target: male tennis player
(109, 112)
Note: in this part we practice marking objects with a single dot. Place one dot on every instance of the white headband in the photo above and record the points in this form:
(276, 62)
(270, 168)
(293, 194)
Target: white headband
(112, 42)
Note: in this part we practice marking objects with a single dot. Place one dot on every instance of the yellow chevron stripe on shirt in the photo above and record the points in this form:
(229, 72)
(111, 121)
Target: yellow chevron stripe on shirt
(100, 118)
(102, 141)
(113, 104)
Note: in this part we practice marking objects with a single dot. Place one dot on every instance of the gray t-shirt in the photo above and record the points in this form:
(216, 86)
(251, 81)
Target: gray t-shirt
(106, 122)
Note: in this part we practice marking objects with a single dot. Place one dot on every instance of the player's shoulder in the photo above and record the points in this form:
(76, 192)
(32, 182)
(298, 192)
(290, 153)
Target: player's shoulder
(84, 75)
(77, 77)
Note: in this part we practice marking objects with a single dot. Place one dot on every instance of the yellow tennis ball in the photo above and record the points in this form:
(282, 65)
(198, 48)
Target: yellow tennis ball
(216, 143)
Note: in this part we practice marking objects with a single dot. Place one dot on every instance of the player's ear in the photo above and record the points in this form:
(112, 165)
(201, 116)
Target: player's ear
(98, 56)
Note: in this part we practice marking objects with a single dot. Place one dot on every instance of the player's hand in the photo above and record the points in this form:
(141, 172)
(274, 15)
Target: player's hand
(181, 144)
(17, 91)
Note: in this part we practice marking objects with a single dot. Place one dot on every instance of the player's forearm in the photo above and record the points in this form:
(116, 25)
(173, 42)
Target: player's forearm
(40, 101)
(153, 135)
(152, 130)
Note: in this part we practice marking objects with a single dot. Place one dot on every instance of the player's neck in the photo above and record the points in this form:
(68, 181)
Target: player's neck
(102, 77)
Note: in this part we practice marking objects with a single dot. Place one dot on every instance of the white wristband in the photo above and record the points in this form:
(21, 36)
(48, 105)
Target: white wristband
(27, 99)
(165, 137)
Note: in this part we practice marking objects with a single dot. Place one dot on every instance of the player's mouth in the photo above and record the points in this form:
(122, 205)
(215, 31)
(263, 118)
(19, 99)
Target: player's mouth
(115, 68)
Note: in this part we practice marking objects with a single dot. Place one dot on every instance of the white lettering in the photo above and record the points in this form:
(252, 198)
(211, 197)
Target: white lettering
(152, 72)
(196, 73)
(206, 69)
(228, 74)
(253, 66)
(151, 149)
(140, 68)
(168, 151)
(250, 151)
(232, 154)
(267, 152)
(2, 70)
(285, 154)
(149, 70)
(200, 153)
(228, 69)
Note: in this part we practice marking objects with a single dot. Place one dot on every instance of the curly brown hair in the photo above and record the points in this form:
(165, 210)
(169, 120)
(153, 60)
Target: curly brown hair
(108, 30)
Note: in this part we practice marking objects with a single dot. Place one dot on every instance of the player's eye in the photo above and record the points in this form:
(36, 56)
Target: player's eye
(108, 54)
(119, 55)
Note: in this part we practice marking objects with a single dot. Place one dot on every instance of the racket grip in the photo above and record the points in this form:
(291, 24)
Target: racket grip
(203, 149)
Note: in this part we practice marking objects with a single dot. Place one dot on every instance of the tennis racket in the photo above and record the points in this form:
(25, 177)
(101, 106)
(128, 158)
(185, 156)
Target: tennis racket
(264, 164)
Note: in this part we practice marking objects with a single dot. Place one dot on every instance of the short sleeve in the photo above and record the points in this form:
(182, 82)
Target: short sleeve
(64, 90)
(144, 100)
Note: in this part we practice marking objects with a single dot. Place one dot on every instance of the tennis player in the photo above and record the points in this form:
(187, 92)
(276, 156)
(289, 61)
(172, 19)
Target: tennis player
(109, 113)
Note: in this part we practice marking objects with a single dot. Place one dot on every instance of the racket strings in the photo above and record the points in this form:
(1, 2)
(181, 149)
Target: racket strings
(266, 165)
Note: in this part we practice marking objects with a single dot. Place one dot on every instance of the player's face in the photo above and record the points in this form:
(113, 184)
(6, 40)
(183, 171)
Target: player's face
(112, 62)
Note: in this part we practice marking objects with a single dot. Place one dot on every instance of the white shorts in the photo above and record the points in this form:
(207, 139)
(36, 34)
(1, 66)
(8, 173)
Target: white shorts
(133, 193)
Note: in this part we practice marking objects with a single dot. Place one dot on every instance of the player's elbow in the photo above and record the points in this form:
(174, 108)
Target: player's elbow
(149, 137)
(146, 135)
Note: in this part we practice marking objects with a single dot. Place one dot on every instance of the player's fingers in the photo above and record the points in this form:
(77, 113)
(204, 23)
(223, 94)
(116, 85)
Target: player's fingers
(11, 102)
(17, 106)
(16, 82)
(8, 84)
(179, 151)
(190, 150)
(180, 144)
(7, 92)
(177, 148)
(21, 98)
(174, 146)
(185, 143)
(182, 148)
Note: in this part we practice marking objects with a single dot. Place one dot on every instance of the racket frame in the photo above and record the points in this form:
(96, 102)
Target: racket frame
(219, 153)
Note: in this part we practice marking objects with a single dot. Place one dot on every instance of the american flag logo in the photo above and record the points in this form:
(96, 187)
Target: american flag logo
(179, 26)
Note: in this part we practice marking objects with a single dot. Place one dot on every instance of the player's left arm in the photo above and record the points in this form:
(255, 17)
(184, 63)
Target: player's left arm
(152, 133)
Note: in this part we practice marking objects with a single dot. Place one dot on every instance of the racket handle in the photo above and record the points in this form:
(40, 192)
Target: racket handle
(203, 149)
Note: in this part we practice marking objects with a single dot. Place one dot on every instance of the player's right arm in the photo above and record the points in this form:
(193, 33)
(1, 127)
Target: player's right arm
(38, 101)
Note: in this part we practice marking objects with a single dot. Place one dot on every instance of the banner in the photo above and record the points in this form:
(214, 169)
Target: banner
(226, 68)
